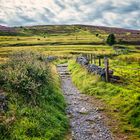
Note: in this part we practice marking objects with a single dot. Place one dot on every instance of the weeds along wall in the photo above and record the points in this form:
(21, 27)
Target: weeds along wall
(35, 105)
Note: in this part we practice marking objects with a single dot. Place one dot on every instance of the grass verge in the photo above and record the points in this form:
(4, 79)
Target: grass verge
(35, 105)
(121, 102)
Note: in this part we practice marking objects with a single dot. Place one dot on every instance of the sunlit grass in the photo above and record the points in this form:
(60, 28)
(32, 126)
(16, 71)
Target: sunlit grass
(71, 45)
(59, 50)
(117, 97)
(36, 40)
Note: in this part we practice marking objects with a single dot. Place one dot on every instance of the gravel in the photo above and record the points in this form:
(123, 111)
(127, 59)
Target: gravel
(85, 120)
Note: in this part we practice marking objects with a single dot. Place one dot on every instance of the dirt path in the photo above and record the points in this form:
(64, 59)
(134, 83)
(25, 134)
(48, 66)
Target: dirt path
(85, 119)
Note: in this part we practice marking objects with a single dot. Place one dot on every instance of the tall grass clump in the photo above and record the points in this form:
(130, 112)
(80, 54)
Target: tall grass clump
(36, 107)
(125, 102)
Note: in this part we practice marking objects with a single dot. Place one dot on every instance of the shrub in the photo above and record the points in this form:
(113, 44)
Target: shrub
(97, 35)
(36, 105)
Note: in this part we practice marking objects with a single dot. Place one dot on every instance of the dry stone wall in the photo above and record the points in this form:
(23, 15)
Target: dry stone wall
(92, 68)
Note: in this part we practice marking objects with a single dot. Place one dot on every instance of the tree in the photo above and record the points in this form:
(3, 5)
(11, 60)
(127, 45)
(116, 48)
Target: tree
(111, 39)
(97, 34)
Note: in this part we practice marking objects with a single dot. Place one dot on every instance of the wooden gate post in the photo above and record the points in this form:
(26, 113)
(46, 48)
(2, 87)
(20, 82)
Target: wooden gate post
(106, 68)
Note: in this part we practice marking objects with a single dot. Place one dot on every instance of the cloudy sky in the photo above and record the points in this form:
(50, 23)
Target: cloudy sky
(117, 13)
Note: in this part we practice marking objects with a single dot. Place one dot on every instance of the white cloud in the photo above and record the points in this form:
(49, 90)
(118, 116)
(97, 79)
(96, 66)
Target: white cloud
(110, 16)
(120, 13)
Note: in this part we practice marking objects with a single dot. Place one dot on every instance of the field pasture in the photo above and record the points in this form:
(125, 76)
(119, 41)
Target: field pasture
(71, 44)
(58, 45)
(68, 42)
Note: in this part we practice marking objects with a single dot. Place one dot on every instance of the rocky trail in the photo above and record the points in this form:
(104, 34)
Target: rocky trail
(86, 120)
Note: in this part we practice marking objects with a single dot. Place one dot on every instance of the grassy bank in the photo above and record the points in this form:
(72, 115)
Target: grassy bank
(121, 102)
(35, 105)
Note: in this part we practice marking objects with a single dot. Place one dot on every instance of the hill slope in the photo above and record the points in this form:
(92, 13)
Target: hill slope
(122, 35)
(7, 30)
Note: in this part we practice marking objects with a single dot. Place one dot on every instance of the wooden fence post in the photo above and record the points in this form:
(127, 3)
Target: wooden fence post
(94, 59)
(91, 58)
(99, 61)
(85, 55)
(106, 69)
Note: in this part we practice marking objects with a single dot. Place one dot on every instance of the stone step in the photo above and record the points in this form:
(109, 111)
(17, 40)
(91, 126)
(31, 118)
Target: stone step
(64, 73)
(62, 65)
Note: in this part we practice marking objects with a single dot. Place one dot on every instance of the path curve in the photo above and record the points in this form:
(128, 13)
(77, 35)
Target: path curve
(85, 120)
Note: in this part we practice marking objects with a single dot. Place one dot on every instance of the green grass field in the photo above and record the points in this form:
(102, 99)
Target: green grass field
(59, 45)
(123, 96)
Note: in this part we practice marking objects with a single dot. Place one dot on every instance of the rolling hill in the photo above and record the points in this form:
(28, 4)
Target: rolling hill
(124, 36)
(7, 30)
